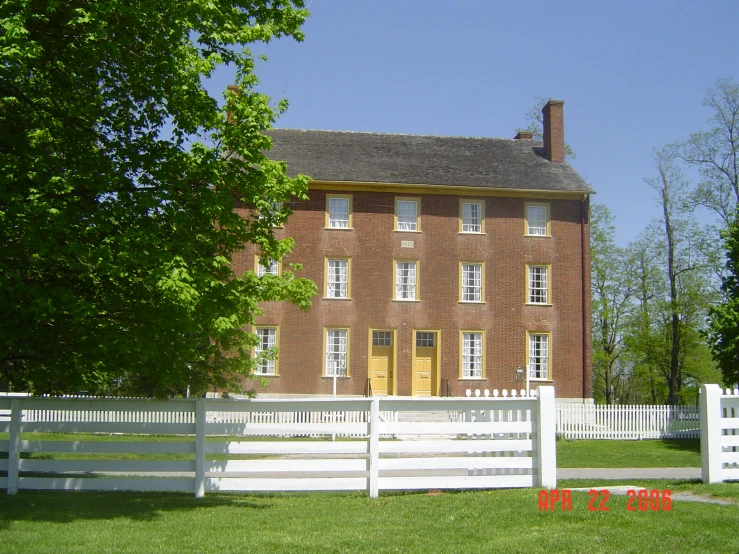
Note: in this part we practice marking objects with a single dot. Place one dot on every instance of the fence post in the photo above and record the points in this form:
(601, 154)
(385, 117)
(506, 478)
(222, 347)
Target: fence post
(200, 447)
(373, 447)
(545, 440)
(15, 443)
(710, 413)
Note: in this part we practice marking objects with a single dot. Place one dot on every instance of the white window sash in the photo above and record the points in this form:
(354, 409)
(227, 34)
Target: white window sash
(471, 282)
(271, 269)
(405, 281)
(338, 278)
(537, 220)
(407, 215)
(538, 285)
(539, 357)
(338, 213)
(267, 339)
(472, 355)
(336, 353)
(471, 217)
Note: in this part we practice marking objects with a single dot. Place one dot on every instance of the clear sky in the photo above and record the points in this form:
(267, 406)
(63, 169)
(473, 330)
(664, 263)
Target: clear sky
(632, 75)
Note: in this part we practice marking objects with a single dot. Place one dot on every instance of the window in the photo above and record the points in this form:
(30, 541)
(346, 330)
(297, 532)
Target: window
(538, 284)
(337, 352)
(471, 282)
(537, 219)
(539, 356)
(472, 217)
(272, 268)
(425, 339)
(267, 342)
(406, 280)
(337, 278)
(406, 214)
(472, 354)
(272, 214)
(382, 338)
(338, 212)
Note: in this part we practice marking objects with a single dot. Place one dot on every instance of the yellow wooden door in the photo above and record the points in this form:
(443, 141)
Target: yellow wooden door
(381, 366)
(424, 365)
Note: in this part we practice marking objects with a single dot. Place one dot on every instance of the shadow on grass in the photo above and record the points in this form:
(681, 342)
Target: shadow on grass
(72, 506)
(683, 445)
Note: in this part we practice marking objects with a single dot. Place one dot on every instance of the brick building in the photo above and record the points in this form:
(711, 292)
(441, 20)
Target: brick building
(443, 263)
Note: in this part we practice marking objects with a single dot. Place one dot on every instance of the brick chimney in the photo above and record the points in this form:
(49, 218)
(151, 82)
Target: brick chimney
(554, 131)
(523, 135)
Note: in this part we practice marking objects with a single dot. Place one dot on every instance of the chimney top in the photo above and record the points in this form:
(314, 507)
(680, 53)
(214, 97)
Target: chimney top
(554, 134)
(523, 135)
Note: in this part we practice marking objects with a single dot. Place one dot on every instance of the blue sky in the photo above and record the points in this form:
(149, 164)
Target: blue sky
(632, 75)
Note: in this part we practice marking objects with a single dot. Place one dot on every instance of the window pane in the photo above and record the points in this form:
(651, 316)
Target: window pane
(537, 220)
(270, 269)
(472, 282)
(472, 355)
(472, 218)
(539, 356)
(338, 213)
(538, 284)
(405, 280)
(425, 338)
(337, 279)
(267, 339)
(381, 338)
(407, 215)
(336, 352)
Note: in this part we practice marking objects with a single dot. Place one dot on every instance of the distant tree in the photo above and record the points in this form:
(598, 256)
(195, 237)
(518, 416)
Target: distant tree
(118, 179)
(535, 125)
(611, 301)
(716, 152)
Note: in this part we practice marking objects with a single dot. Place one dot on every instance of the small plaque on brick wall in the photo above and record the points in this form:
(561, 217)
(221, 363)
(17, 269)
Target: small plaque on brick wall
(406, 244)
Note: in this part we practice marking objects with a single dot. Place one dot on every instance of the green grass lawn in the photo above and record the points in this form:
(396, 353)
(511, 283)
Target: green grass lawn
(647, 453)
(485, 521)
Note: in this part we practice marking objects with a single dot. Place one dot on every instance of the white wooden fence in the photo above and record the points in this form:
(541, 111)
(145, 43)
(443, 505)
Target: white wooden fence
(719, 411)
(590, 421)
(504, 442)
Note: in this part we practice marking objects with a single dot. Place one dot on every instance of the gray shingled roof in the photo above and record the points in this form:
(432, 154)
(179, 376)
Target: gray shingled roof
(420, 159)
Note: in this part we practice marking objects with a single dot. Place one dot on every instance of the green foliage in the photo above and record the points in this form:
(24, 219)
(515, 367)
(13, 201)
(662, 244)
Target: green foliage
(723, 331)
(118, 180)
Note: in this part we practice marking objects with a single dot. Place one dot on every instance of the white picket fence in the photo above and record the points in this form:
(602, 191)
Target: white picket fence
(719, 412)
(590, 421)
(504, 442)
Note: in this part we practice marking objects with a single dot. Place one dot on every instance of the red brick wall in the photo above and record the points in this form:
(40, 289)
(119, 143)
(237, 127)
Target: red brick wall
(372, 246)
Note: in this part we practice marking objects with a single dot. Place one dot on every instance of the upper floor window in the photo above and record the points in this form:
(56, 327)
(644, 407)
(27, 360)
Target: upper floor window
(337, 278)
(538, 284)
(406, 214)
(472, 216)
(406, 280)
(471, 282)
(272, 267)
(338, 211)
(267, 343)
(537, 219)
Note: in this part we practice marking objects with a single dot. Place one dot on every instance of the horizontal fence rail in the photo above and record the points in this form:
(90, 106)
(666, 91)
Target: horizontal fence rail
(590, 421)
(279, 445)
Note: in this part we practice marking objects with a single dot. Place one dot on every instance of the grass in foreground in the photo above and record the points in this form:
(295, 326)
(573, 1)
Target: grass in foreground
(646, 453)
(486, 521)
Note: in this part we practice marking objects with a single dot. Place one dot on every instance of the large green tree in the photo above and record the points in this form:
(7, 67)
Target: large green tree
(723, 332)
(118, 179)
